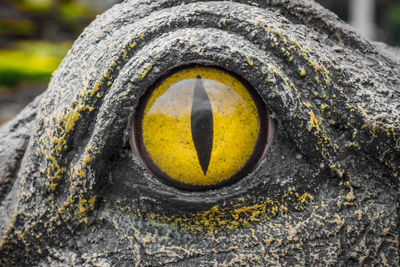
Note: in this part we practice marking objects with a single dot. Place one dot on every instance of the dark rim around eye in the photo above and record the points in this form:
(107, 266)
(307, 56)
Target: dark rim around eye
(250, 164)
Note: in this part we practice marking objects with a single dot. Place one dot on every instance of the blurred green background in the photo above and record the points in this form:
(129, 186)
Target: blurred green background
(36, 34)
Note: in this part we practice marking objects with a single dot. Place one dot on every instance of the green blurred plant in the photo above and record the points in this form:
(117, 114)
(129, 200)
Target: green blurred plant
(30, 61)
(70, 15)
(76, 14)
(16, 27)
(394, 16)
(34, 61)
(38, 6)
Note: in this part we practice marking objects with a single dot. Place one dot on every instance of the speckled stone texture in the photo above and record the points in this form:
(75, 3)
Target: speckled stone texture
(325, 194)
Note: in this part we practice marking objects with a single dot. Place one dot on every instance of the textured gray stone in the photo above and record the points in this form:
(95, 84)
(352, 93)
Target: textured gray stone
(72, 193)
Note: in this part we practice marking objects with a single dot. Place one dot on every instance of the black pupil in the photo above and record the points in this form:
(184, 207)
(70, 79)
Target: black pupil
(202, 124)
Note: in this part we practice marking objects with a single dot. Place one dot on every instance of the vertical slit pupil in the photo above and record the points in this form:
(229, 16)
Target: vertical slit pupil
(202, 124)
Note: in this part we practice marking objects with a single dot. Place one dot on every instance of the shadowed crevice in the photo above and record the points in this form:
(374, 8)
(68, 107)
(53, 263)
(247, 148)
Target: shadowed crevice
(202, 124)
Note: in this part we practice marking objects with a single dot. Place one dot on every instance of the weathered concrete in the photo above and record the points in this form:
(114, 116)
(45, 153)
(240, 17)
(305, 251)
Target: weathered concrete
(327, 192)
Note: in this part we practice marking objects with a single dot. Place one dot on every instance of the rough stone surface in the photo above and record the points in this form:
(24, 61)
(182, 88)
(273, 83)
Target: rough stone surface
(326, 193)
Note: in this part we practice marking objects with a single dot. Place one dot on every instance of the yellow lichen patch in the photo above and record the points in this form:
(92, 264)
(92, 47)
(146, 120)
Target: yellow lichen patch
(86, 107)
(167, 133)
(80, 173)
(53, 186)
(290, 86)
(337, 170)
(350, 195)
(304, 198)
(290, 44)
(58, 141)
(313, 123)
(132, 45)
(20, 236)
(95, 89)
(145, 71)
(249, 61)
(86, 160)
(82, 207)
(70, 119)
(59, 125)
(218, 218)
(85, 205)
(323, 107)
(54, 171)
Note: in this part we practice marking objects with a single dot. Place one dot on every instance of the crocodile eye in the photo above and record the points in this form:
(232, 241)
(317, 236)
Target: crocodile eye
(200, 128)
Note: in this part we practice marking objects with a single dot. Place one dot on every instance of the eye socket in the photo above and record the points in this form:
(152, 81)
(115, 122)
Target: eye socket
(200, 128)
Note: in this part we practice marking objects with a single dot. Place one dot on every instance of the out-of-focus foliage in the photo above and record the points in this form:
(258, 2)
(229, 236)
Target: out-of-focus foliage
(30, 61)
(394, 14)
(43, 48)
(394, 17)
(17, 27)
(35, 17)
(35, 35)
(74, 14)
(60, 21)
(34, 5)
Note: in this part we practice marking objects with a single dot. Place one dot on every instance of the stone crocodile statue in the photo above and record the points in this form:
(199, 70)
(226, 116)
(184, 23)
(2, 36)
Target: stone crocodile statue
(326, 193)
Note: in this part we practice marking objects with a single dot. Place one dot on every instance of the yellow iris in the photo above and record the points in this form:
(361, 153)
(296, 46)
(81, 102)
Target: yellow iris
(168, 130)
